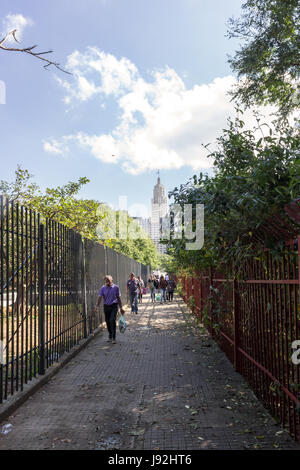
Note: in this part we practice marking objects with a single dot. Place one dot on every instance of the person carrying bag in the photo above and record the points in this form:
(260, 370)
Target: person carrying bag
(112, 298)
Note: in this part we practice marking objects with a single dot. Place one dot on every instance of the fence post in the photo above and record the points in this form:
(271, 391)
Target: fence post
(236, 316)
(296, 329)
(212, 331)
(41, 320)
(83, 289)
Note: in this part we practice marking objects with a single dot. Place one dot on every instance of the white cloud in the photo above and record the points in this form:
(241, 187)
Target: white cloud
(15, 21)
(162, 123)
(55, 147)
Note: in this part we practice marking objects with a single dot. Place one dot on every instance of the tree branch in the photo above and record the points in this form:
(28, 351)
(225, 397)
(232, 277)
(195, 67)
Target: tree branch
(29, 50)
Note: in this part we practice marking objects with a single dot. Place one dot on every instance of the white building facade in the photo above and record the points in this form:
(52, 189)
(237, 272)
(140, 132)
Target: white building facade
(159, 210)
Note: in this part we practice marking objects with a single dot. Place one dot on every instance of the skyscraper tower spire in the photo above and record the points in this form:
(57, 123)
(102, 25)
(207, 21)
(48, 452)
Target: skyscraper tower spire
(159, 210)
(158, 177)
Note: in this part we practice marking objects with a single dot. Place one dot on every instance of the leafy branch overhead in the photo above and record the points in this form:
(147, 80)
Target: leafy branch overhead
(268, 61)
(30, 51)
(254, 180)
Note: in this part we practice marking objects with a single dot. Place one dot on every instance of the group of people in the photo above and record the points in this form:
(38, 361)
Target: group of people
(164, 286)
(111, 295)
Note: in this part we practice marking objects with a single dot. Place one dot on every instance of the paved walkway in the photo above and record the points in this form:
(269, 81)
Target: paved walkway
(165, 385)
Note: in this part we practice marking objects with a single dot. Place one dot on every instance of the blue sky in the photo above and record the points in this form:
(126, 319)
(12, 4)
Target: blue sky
(149, 86)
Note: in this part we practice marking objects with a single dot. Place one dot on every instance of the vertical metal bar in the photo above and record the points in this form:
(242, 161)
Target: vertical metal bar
(70, 277)
(30, 244)
(1, 297)
(50, 274)
(291, 376)
(23, 311)
(286, 326)
(7, 301)
(296, 325)
(47, 294)
(210, 302)
(41, 284)
(258, 325)
(35, 275)
(83, 277)
(282, 332)
(27, 297)
(17, 300)
(66, 278)
(272, 345)
(64, 293)
(56, 289)
(59, 316)
(236, 310)
(12, 362)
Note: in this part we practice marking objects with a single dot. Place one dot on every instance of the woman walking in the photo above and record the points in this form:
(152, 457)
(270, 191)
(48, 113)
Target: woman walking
(152, 284)
(163, 286)
(141, 287)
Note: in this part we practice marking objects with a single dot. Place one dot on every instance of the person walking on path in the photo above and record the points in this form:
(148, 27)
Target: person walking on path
(141, 287)
(132, 290)
(170, 288)
(112, 298)
(153, 285)
(167, 292)
(163, 286)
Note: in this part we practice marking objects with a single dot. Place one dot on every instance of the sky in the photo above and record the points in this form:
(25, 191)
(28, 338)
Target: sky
(149, 87)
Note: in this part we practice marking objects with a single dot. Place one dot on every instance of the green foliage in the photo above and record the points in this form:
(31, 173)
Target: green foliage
(191, 301)
(59, 204)
(167, 263)
(141, 248)
(268, 62)
(254, 179)
(21, 190)
(82, 215)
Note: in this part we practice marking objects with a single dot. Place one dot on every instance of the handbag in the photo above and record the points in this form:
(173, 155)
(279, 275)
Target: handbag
(144, 291)
(158, 297)
(122, 324)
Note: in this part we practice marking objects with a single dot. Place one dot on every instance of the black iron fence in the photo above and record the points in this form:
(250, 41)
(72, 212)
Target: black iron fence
(49, 282)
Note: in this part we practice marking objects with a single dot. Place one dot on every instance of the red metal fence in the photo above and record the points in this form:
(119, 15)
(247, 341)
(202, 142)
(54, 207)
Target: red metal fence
(255, 321)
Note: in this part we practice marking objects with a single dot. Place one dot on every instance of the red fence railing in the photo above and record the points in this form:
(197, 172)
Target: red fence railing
(255, 320)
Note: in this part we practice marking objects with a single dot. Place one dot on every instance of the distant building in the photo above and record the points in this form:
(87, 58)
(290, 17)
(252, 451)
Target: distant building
(159, 210)
(144, 223)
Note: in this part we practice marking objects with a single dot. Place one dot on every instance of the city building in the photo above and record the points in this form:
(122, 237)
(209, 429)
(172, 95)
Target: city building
(159, 211)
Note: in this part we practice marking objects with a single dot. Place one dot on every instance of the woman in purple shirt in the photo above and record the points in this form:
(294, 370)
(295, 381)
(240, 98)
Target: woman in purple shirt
(112, 298)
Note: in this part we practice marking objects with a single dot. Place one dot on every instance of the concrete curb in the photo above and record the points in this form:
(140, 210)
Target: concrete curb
(13, 402)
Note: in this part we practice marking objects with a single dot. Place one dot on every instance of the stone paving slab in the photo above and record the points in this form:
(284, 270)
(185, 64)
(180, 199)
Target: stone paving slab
(165, 385)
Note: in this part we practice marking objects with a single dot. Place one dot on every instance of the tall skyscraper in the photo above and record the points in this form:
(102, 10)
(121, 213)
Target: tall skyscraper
(159, 210)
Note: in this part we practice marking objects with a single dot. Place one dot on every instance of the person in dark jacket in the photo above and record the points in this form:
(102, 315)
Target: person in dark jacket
(163, 287)
(132, 291)
(171, 287)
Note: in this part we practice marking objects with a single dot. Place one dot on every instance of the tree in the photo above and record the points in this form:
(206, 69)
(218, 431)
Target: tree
(59, 204)
(137, 245)
(268, 62)
(85, 216)
(254, 180)
(30, 51)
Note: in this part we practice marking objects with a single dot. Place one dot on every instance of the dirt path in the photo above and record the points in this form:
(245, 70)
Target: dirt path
(164, 385)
